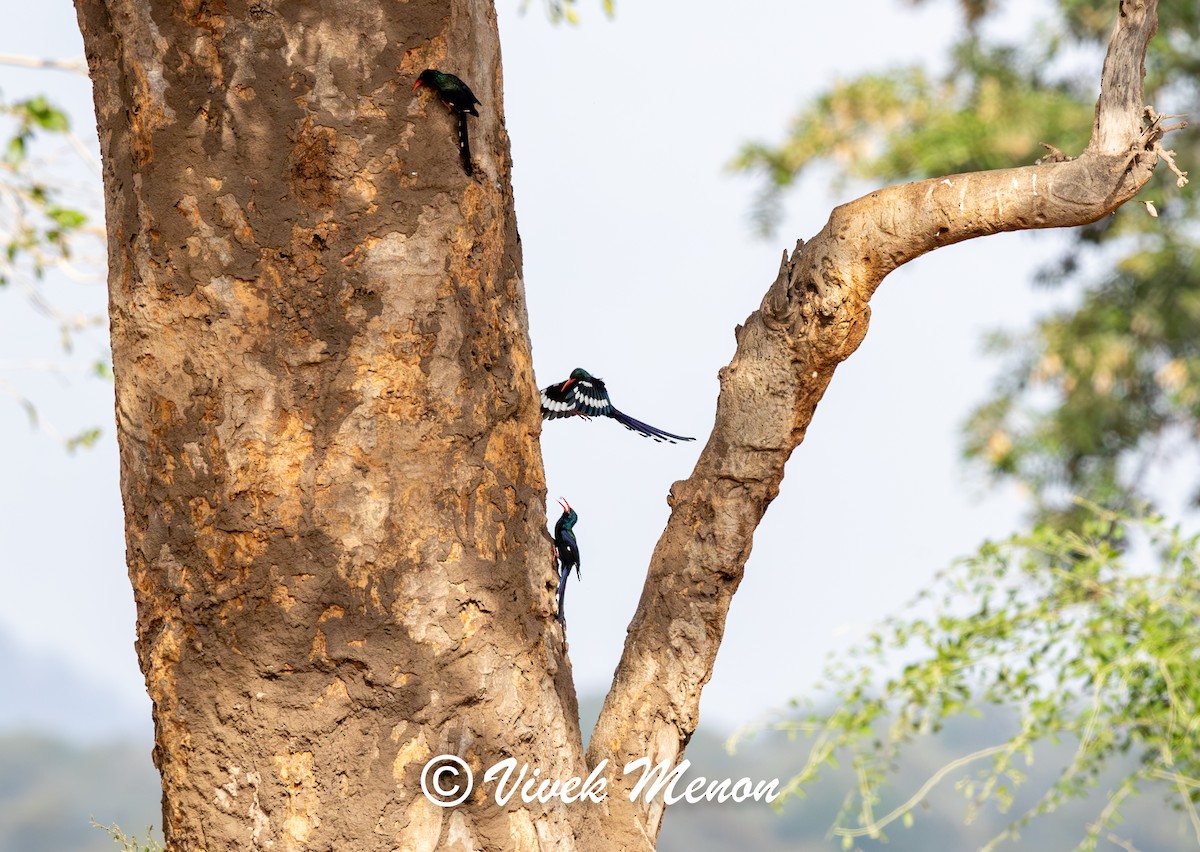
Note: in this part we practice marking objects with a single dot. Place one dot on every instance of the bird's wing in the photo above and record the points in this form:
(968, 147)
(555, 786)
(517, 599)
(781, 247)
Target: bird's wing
(644, 428)
(588, 397)
(571, 546)
(464, 98)
(591, 397)
(557, 403)
(570, 558)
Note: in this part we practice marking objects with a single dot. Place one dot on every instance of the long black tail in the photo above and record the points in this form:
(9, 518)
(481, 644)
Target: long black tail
(562, 595)
(645, 428)
(464, 142)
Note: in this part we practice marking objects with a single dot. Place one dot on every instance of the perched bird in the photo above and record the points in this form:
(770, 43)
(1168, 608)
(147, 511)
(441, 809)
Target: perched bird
(585, 395)
(566, 551)
(458, 97)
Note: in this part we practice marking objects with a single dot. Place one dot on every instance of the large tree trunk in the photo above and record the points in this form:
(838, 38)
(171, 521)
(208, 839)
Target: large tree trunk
(328, 422)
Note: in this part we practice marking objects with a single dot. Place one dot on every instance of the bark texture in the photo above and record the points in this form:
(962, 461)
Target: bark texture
(328, 422)
(812, 318)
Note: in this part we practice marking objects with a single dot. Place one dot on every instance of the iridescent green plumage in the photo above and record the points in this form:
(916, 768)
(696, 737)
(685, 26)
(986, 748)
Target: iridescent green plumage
(566, 551)
(458, 97)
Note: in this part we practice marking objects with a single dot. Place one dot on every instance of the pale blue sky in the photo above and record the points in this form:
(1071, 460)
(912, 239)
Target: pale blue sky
(639, 261)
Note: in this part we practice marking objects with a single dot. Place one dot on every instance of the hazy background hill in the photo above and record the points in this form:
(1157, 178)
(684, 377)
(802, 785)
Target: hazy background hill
(45, 693)
(804, 823)
(51, 789)
(70, 752)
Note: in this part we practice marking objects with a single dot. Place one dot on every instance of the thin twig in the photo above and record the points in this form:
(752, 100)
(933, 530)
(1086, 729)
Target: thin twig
(873, 829)
(73, 66)
(84, 154)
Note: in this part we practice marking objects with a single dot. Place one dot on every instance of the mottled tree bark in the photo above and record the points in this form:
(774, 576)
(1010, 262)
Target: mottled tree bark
(328, 421)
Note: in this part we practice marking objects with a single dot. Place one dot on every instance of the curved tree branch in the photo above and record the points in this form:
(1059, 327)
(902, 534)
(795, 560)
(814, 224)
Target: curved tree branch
(813, 316)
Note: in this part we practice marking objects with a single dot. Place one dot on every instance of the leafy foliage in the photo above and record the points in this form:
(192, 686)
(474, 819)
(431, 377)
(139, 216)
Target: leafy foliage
(130, 842)
(1094, 389)
(44, 228)
(902, 125)
(1086, 626)
(1094, 393)
(568, 10)
(1068, 629)
(34, 228)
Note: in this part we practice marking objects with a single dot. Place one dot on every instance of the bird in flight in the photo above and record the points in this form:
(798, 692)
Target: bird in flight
(585, 395)
(458, 97)
(566, 551)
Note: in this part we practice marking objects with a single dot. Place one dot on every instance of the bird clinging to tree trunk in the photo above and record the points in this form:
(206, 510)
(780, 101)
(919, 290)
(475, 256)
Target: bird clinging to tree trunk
(458, 97)
(585, 395)
(566, 550)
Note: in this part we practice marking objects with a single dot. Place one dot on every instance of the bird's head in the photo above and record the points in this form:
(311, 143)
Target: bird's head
(428, 78)
(569, 514)
(576, 374)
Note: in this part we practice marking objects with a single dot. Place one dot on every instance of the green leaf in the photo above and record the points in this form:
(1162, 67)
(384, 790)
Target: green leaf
(86, 438)
(66, 217)
(1085, 651)
(45, 115)
(14, 152)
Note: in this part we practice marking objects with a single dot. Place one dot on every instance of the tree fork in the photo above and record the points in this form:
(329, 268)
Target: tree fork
(328, 422)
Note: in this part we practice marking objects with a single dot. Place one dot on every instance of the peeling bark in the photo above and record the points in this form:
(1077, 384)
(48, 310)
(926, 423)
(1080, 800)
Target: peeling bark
(812, 318)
